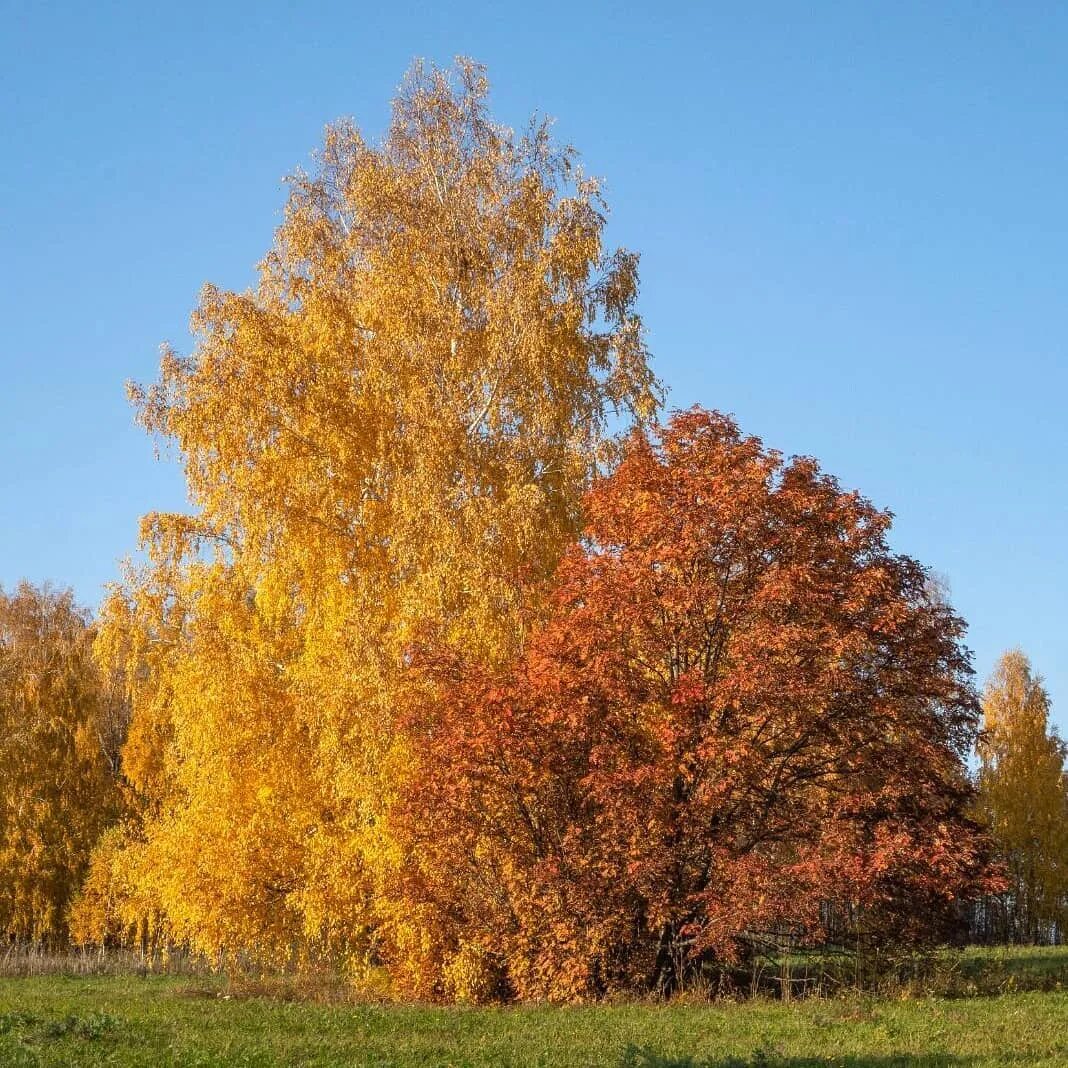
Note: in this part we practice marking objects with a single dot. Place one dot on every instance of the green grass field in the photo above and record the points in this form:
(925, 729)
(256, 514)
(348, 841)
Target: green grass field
(181, 1020)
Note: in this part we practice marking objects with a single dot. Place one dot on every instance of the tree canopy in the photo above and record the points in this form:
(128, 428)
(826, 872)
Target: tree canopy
(61, 729)
(1023, 798)
(393, 429)
(742, 705)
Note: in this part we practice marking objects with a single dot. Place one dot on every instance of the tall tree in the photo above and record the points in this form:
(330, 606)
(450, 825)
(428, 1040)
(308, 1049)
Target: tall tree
(1023, 796)
(742, 704)
(61, 729)
(394, 428)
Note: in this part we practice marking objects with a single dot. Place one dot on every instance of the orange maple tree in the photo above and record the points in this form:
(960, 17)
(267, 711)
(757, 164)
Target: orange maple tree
(742, 705)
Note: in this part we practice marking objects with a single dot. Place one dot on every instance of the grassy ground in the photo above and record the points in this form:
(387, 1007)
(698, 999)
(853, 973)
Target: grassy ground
(188, 1021)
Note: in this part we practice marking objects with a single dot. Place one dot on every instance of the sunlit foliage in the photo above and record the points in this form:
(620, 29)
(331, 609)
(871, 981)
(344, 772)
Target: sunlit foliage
(742, 705)
(61, 728)
(1023, 795)
(393, 430)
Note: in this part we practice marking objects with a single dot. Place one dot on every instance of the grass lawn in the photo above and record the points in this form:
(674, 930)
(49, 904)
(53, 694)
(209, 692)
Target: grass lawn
(170, 1020)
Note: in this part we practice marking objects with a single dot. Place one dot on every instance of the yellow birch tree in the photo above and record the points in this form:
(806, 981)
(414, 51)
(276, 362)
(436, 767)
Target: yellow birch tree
(390, 433)
(61, 731)
(1023, 796)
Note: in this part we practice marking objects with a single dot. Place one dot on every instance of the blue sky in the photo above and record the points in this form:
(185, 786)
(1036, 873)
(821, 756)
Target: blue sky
(852, 217)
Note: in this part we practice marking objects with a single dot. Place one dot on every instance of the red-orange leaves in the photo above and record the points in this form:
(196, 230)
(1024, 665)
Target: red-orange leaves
(742, 705)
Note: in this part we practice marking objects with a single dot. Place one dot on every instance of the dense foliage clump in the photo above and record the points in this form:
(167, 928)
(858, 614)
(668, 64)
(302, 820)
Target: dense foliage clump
(394, 429)
(741, 707)
(61, 730)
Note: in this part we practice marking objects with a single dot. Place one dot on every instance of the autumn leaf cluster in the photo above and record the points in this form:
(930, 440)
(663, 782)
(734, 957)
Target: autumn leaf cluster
(1023, 799)
(61, 732)
(742, 706)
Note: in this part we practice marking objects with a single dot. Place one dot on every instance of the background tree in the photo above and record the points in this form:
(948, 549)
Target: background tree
(61, 729)
(394, 428)
(742, 704)
(1023, 797)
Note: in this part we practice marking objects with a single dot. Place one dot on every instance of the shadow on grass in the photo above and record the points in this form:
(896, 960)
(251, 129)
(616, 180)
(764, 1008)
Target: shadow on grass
(645, 1058)
(1034, 963)
(28, 1025)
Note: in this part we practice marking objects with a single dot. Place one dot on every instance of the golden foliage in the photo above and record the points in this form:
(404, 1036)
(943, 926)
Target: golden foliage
(1023, 796)
(60, 733)
(391, 433)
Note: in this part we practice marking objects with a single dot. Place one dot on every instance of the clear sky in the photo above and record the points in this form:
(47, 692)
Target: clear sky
(853, 221)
